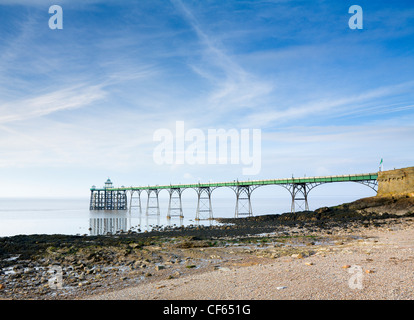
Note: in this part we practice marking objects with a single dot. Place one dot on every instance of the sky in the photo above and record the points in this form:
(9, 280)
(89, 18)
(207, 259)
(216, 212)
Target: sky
(82, 104)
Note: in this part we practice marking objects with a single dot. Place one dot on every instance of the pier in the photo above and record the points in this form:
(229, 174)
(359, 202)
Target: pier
(108, 198)
(111, 198)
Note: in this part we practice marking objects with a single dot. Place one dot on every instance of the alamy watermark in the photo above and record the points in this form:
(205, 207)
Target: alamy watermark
(55, 282)
(56, 20)
(356, 21)
(213, 146)
(355, 282)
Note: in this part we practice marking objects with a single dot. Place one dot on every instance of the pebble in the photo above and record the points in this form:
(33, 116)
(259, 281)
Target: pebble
(225, 269)
(80, 274)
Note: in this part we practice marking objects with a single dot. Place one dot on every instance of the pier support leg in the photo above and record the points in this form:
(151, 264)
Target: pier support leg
(243, 202)
(369, 183)
(93, 205)
(175, 206)
(153, 204)
(101, 200)
(204, 203)
(135, 201)
(109, 200)
(299, 197)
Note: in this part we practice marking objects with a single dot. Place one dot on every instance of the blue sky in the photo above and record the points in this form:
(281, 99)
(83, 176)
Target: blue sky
(81, 104)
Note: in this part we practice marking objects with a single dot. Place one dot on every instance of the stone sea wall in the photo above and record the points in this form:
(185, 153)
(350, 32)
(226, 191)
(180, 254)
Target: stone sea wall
(396, 183)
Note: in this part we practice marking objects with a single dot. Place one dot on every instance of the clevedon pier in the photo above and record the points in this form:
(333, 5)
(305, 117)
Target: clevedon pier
(111, 198)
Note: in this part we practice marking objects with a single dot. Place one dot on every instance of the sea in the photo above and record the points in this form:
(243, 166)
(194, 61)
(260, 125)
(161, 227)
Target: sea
(20, 216)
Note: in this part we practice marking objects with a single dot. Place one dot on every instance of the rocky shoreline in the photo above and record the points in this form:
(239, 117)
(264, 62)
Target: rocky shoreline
(72, 267)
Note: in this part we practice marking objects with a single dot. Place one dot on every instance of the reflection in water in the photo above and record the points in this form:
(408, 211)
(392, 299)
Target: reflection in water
(107, 223)
(172, 223)
(102, 226)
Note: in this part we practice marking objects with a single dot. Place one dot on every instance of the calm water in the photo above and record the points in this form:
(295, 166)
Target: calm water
(72, 216)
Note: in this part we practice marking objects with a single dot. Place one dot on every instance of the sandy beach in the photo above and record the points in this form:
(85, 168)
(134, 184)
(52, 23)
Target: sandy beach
(378, 266)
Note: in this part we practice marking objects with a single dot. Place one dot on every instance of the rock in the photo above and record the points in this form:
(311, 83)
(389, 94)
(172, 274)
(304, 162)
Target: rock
(369, 271)
(153, 248)
(2, 286)
(347, 266)
(281, 288)
(159, 267)
(225, 269)
(322, 210)
(309, 263)
(28, 270)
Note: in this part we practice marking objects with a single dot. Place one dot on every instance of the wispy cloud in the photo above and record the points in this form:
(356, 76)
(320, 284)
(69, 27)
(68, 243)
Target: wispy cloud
(233, 86)
(60, 100)
(92, 95)
(335, 107)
